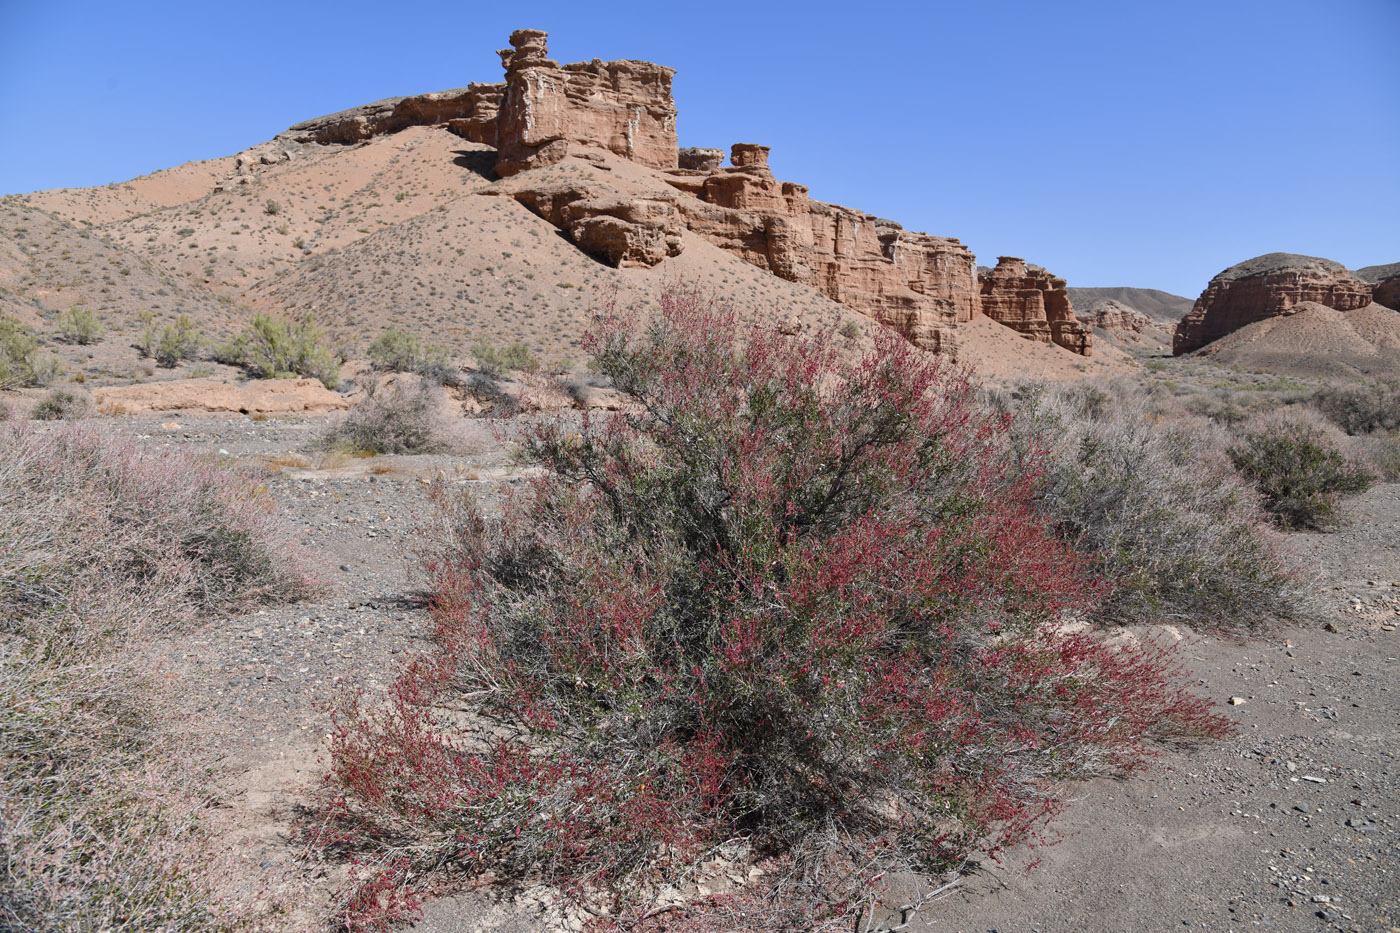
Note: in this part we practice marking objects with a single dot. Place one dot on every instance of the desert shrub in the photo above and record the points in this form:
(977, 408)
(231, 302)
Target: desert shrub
(90, 519)
(1156, 505)
(81, 326)
(1361, 409)
(102, 544)
(850, 330)
(495, 362)
(792, 598)
(178, 341)
(271, 207)
(398, 419)
(395, 351)
(20, 362)
(1300, 472)
(282, 349)
(5, 412)
(60, 405)
(147, 337)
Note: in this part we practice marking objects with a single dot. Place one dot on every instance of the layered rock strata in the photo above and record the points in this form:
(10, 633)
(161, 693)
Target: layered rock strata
(920, 285)
(1384, 282)
(624, 107)
(1264, 287)
(1034, 303)
(473, 108)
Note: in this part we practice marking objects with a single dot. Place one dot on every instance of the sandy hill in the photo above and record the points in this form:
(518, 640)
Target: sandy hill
(1315, 340)
(390, 216)
(1162, 307)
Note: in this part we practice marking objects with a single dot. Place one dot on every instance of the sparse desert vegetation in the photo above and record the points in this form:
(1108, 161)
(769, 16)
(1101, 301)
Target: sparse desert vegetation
(278, 349)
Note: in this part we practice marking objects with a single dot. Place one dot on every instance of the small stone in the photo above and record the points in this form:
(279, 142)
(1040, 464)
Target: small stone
(1291, 767)
(1315, 780)
(345, 567)
(1330, 627)
(1237, 701)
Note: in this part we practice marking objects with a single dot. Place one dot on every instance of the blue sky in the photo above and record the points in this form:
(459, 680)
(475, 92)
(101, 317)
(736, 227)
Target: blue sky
(1115, 143)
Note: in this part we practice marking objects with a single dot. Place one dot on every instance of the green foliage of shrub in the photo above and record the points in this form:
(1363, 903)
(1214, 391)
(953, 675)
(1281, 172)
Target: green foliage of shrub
(273, 348)
(148, 336)
(1156, 505)
(494, 361)
(178, 341)
(1361, 409)
(396, 351)
(21, 364)
(1300, 472)
(81, 326)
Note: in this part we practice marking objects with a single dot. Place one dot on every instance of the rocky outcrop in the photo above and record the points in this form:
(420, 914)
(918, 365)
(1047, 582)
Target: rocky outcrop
(1384, 282)
(474, 106)
(693, 158)
(621, 231)
(920, 285)
(1033, 303)
(624, 107)
(1264, 287)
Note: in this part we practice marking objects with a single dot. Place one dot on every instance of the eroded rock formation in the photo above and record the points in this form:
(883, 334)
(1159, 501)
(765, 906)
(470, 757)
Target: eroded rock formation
(1034, 303)
(474, 105)
(624, 107)
(922, 286)
(619, 230)
(1264, 287)
(1384, 282)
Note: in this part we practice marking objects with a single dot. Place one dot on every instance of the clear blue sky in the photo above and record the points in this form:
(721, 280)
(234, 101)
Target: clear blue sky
(1116, 143)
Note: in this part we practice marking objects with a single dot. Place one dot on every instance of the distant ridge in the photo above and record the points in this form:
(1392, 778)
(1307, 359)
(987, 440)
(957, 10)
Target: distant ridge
(1163, 307)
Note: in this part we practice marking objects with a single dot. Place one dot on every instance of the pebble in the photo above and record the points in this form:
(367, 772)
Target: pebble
(1237, 701)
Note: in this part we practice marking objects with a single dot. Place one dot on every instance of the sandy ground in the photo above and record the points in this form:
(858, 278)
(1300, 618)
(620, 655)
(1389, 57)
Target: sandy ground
(1292, 825)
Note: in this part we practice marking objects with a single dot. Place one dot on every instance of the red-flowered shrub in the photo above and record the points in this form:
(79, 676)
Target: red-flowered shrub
(789, 597)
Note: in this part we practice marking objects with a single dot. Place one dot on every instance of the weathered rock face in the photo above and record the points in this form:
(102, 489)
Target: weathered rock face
(696, 159)
(1033, 303)
(471, 104)
(1384, 282)
(1125, 324)
(922, 286)
(621, 231)
(624, 107)
(1264, 287)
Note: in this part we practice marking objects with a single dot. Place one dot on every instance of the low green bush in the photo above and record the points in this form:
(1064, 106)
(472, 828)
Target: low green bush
(21, 364)
(1300, 472)
(272, 348)
(178, 341)
(397, 352)
(81, 326)
(494, 361)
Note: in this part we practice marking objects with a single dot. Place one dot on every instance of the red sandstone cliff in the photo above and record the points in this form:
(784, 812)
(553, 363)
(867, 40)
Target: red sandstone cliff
(1264, 287)
(1033, 303)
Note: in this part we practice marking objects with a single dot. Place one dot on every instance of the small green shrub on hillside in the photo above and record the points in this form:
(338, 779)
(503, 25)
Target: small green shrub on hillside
(495, 362)
(21, 364)
(178, 341)
(80, 326)
(272, 348)
(1300, 472)
(397, 352)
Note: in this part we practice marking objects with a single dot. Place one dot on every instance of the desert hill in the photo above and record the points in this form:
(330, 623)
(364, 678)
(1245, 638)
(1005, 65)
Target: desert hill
(1315, 340)
(1272, 285)
(1162, 307)
(458, 218)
